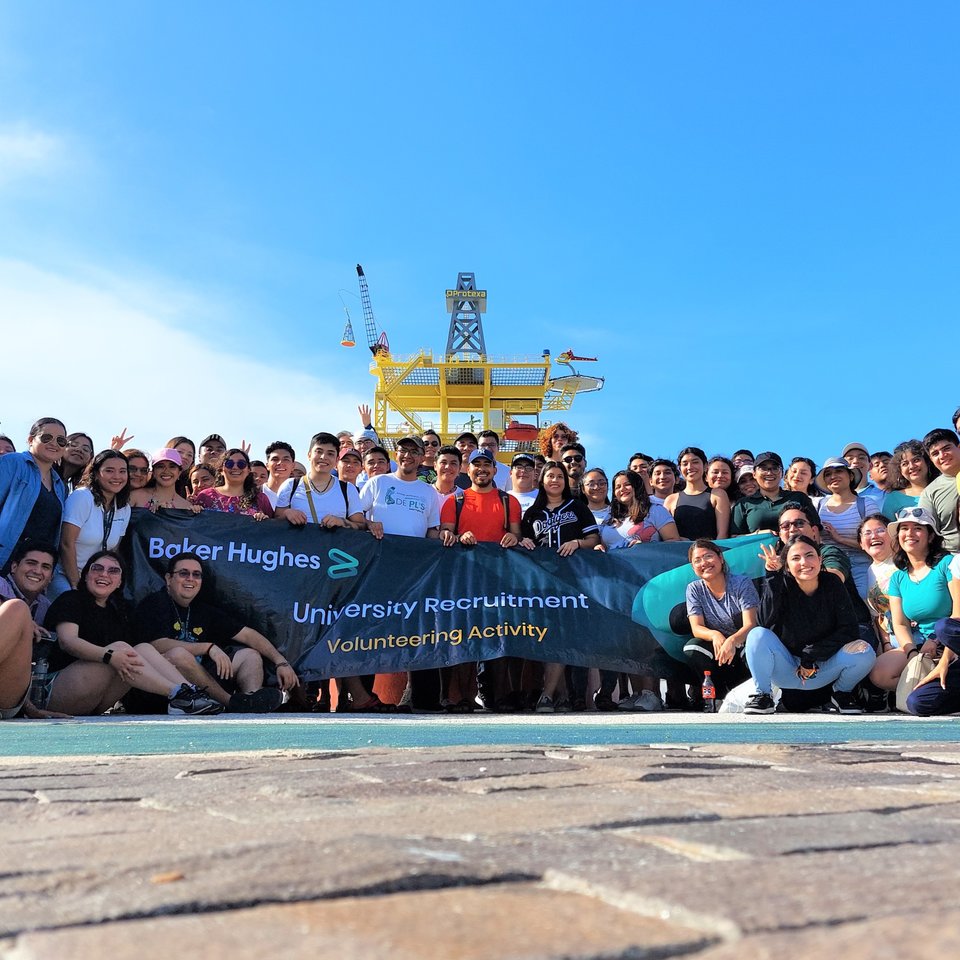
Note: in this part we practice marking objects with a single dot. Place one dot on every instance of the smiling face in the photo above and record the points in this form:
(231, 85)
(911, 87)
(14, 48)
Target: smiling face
(575, 463)
(6, 446)
(858, 458)
(280, 464)
(837, 480)
(448, 467)
(706, 563)
(768, 475)
(719, 475)
(323, 458)
(691, 468)
(349, 467)
(641, 466)
(103, 578)
(747, 485)
(138, 469)
(112, 475)
(803, 563)
(553, 482)
(799, 476)
(663, 480)
(623, 492)
(913, 468)
(409, 459)
(201, 478)
(481, 474)
(377, 465)
(79, 450)
(185, 581)
(235, 468)
(50, 450)
(33, 573)
(875, 540)
(187, 453)
(795, 522)
(595, 487)
(211, 453)
(165, 474)
(914, 538)
(945, 456)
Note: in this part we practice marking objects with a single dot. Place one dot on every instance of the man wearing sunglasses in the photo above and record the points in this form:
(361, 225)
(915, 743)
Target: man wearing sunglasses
(208, 645)
(574, 457)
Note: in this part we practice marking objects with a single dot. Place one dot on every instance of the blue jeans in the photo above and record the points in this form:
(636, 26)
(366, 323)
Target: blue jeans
(771, 662)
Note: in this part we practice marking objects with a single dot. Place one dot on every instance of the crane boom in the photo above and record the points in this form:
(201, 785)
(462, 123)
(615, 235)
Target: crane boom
(377, 342)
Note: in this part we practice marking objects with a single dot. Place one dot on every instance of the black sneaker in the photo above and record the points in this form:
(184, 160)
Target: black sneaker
(878, 701)
(760, 703)
(846, 702)
(264, 700)
(191, 701)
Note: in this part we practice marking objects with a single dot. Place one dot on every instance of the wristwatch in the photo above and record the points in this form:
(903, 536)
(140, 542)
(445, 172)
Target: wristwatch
(107, 654)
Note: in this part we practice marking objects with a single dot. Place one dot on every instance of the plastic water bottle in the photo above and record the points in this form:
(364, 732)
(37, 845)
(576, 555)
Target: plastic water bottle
(709, 693)
(38, 682)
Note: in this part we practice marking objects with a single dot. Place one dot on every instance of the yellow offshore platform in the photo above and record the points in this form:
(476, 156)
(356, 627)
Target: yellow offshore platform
(466, 388)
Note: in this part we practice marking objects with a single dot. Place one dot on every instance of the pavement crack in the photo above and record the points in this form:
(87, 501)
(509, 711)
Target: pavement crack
(851, 847)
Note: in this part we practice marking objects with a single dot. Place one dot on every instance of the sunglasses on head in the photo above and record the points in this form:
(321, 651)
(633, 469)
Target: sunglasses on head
(47, 437)
(235, 464)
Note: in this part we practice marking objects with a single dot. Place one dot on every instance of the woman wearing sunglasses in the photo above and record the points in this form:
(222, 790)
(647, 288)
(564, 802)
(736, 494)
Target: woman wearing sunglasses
(93, 665)
(32, 493)
(95, 517)
(236, 490)
(76, 455)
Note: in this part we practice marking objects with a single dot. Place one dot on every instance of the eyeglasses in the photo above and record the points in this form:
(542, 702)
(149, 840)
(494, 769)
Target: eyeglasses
(189, 574)
(596, 483)
(789, 524)
(109, 571)
(47, 437)
(431, 443)
(77, 445)
(574, 458)
(235, 464)
(138, 471)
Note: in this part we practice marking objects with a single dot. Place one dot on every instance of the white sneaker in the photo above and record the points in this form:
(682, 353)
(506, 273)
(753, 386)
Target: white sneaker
(649, 702)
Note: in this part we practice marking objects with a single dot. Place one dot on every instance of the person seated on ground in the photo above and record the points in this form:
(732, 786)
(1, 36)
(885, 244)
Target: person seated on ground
(94, 664)
(202, 477)
(23, 607)
(95, 517)
(138, 468)
(564, 524)
(663, 480)
(810, 636)
(212, 450)
(76, 455)
(32, 493)
(236, 490)
(915, 472)
(841, 511)
(919, 591)
(758, 513)
(721, 609)
(939, 692)
(208, 645)
(698, 511)
(874, 540)
(161, 490)
(280, 459)
(799, 476)
(941, 497)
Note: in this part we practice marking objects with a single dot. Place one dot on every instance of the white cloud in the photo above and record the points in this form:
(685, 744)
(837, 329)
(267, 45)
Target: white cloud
(25, 151)
(100, 358)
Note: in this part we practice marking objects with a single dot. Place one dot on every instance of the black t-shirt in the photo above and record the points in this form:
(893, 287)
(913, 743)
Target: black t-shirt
(43, 524)
(158, 616)
(97, 625)
(572, 520)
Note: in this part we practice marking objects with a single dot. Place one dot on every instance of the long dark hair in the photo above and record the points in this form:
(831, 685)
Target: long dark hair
(935, 551)
(250, 491)
(799, 538)
(811, 490)
(641, 499)
(91, 478)
(733, 491)
(67, 470)
(117, 595)
(917, 448)
(540, 501)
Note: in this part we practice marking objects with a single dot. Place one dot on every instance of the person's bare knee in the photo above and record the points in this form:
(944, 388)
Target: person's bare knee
(248, 670)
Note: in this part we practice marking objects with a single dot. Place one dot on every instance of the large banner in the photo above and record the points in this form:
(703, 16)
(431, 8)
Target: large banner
(340, 603)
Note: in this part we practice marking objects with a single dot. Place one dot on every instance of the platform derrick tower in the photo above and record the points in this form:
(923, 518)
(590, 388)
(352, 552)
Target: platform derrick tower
(465, 388)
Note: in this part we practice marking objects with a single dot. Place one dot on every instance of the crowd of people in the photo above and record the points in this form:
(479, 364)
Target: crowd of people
(863, 575)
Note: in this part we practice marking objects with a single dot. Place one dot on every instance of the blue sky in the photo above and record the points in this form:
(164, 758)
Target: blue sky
(748, 211)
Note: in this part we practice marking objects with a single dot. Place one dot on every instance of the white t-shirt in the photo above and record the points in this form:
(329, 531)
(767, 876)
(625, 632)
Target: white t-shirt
(270, 495)
(328, 503)
(408, 508)
(525, 499)
(82, 512)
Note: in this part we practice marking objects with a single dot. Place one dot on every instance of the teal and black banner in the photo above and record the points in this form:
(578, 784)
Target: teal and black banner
(340, 603)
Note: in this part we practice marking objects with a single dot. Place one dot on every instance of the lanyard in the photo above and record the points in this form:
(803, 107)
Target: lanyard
(108, 516)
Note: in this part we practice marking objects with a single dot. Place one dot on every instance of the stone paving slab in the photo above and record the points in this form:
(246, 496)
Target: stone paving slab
(713, 850)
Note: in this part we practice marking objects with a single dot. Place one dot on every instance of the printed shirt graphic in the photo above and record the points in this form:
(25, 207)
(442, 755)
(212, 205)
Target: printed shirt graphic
(553, 528)
(408, 508)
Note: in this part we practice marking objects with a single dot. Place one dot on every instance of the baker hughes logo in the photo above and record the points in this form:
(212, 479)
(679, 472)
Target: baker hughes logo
(338, 564)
